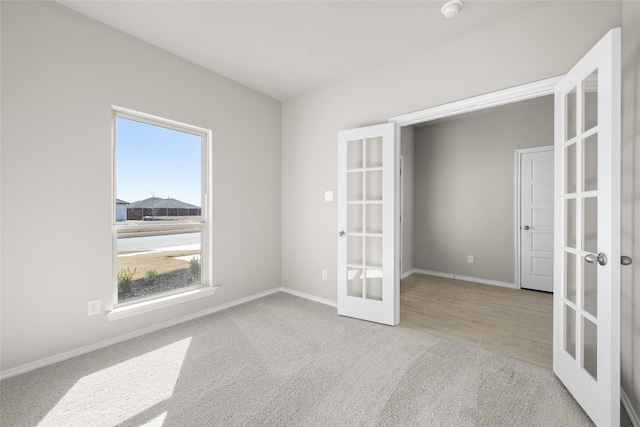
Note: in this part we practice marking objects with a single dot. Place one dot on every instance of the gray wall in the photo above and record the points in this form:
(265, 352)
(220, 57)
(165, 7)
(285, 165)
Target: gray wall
(465, 188)
(630, 286)
(61, 72)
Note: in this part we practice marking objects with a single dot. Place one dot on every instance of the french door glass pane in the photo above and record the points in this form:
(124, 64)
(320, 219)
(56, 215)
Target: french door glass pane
(355, 282)
(570, 277)
(571, 114)
(570, 164)
(374, 285)
(355, 190)
(374, 218)
(570, 331)
(354, 250)
(590, 100)
(590, 349)
(590, 224)
(590, 288)
(590, 162)
(374, 152)
(374, 251)
(570, 223)
(374, 185)
(354, 154)
(354, 218)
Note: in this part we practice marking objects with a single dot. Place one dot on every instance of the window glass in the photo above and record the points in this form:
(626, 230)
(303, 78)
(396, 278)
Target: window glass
(159, 218)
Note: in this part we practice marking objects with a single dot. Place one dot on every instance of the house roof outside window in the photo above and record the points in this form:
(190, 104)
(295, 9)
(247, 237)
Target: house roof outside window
(159, 203)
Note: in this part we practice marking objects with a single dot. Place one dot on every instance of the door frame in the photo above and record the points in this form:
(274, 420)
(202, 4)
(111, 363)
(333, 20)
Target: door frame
(493, 99)
(517, 234)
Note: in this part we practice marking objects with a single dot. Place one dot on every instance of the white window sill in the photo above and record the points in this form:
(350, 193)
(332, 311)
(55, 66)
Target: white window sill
(154, 304)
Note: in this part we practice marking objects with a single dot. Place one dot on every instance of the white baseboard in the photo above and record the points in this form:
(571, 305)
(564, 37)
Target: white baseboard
(633, 415)
(465, 278)
(22, 369)
(310, 297)
(407, 273)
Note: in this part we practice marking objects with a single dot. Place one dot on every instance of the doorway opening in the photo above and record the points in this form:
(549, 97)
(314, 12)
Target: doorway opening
(460, 229)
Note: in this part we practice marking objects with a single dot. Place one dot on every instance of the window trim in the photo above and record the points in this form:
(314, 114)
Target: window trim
(139, 307)
(164, 299)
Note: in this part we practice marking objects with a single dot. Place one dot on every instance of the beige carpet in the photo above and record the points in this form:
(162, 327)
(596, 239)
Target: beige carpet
(282, 361)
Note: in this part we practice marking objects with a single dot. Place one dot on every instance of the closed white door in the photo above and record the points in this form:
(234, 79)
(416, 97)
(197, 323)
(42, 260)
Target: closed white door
(586, 300)
(536, 218)
(368, 266)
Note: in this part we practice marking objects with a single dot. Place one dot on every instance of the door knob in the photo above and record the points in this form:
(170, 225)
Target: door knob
(625, 260)
(341, 233)
(526, 227)
(601, 258)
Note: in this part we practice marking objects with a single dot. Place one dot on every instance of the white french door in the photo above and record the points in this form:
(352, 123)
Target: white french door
(367, 259)
(586, 325)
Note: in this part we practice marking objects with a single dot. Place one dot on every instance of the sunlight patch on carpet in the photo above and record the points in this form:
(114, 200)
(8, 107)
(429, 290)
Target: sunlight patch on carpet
(156, 422)
(113, 394)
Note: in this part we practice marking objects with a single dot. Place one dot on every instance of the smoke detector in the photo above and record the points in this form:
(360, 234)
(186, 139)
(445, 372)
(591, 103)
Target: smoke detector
(451, 8)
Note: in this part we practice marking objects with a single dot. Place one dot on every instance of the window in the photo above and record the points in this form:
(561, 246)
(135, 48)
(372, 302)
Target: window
(160, 213)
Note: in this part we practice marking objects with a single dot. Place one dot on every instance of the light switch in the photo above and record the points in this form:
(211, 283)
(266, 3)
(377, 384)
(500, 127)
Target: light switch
(328, 196)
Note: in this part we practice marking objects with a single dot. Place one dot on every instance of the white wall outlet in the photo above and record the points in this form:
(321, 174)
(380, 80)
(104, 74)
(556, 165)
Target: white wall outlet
(328, 196)
(94, 307)
(470, 259)
(324, 275)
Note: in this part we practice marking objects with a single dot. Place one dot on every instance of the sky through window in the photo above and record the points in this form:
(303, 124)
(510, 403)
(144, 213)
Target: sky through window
(153, 161)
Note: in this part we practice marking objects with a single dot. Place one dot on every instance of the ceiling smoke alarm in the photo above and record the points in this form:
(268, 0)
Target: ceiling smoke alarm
(451, 8)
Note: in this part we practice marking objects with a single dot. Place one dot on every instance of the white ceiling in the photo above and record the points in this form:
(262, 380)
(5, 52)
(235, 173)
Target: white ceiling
(285, 48)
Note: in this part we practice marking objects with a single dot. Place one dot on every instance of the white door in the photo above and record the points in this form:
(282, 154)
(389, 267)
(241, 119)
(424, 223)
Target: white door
(536, 218)
(586, 313)
(367, 260)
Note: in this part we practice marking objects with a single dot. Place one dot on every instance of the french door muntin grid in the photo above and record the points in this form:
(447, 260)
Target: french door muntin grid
(365, 190)
(580, 325)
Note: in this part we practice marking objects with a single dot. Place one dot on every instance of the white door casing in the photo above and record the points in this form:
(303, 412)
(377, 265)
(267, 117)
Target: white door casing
(367, 228)
(586, 329)
(535, 218)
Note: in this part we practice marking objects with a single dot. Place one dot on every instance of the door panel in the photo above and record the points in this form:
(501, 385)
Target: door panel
(367, 261)
(536, 218)
(586, 351)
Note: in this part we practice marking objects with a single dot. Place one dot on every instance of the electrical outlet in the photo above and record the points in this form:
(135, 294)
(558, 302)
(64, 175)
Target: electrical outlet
(328, 196)
(324, 274)
(470, 259)
(94, 307)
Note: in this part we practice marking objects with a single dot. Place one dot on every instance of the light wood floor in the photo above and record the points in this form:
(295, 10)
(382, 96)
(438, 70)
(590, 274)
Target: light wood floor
(514, 322)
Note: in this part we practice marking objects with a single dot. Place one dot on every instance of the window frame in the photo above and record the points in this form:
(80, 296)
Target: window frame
(163, 299)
